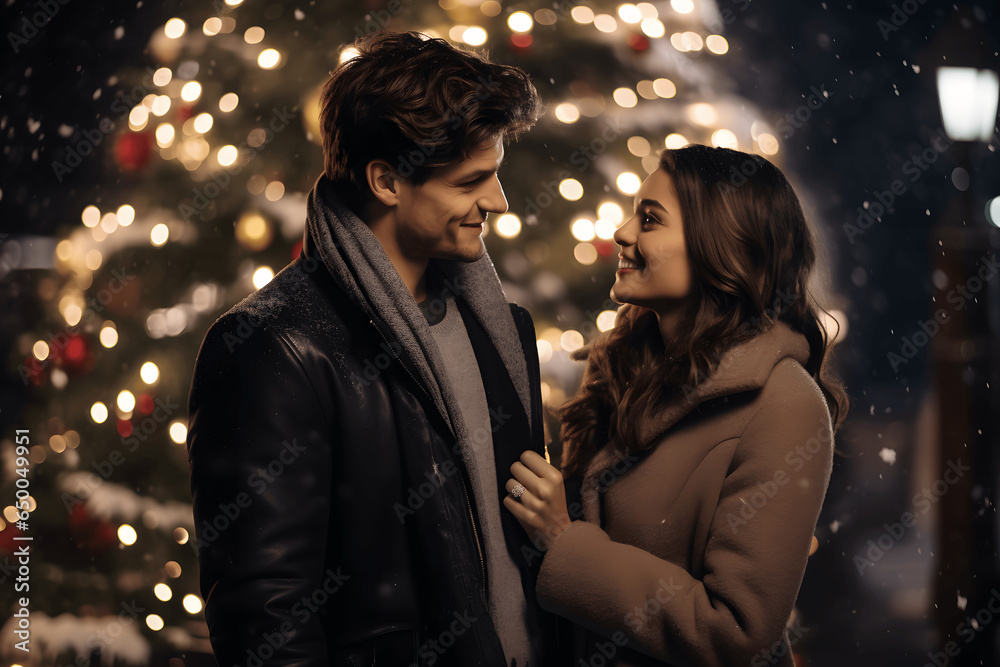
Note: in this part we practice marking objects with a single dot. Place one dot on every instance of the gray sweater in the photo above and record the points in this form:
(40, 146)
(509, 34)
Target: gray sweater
(506, 598)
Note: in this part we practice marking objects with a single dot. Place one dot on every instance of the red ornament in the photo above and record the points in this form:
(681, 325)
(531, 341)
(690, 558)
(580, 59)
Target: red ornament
(89, 533)
(7, 535)
(71, 353)
(296, 249)
(638, 42)
(144, 404)
(124, 428)
(76, 349)
(604, 247)
(132, 150)
(521, 41)
(184, 112)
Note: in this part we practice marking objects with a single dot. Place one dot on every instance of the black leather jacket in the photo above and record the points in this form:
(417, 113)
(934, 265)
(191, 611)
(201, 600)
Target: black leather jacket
(309, 439)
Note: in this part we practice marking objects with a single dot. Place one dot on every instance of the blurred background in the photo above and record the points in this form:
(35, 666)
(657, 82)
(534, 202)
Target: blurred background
(155, 168)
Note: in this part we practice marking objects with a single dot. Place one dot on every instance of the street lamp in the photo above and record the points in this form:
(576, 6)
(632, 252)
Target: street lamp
(965, 361)
(968, 98)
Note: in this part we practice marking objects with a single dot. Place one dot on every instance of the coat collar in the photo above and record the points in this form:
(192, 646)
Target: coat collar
(743, 367)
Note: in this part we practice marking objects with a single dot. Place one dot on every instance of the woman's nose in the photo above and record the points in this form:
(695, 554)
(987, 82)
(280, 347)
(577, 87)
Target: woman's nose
(625, 235)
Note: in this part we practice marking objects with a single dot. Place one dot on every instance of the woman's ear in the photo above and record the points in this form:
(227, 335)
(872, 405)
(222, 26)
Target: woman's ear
(382, 182)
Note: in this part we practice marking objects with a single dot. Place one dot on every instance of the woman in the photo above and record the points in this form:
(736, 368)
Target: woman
(701, 437)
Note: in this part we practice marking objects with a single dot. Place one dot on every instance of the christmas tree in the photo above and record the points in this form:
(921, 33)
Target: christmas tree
(212, 149)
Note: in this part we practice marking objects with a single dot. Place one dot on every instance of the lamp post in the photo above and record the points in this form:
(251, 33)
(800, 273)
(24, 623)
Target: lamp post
(965, 354)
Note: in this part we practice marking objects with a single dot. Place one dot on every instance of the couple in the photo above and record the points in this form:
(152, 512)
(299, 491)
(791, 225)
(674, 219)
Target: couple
(390, 396)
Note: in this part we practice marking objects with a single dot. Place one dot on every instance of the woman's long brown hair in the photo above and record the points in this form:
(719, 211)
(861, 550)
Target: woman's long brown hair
(751, 254)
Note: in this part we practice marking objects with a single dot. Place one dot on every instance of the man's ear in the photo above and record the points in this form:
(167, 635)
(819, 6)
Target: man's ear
(383, 182)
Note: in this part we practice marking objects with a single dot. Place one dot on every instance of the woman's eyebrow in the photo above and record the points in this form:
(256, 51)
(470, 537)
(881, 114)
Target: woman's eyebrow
(650, 202)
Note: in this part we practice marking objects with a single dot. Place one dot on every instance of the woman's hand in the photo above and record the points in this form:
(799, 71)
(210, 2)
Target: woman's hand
(541, 509)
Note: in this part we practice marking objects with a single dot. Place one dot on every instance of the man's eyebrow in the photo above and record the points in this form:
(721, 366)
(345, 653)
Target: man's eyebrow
(482, 172)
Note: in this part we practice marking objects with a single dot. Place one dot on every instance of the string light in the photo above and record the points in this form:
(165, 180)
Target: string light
(638, 146)
(268, 59)
(203, 123)
(582, 15)
(570, 189)
(162, 76)
(164, 135)
(508, 225)
(675, 140)
(767, 143)
(160, 105)
(159, 234)
(191, 91)
(126, 401)
(567, 112)
(606, 320)
(605, 229)
(571, 340)
(212, 26)
(254, 35)
(41, 350)
(611, 211)
(125, 215)
(725, 139)
(703, 114)
(109, 335)
(605, 23)
(625, 97)
(583, 229)
(348, 53)
(149, 372)
(628, 182)
(665, 88)
(585, 253)
(91, 216)
(629, 13)
(520, 22)
(174, 28)
(262, 276)
(227, 155)
(653, 28)
(228, 102)
(178, 432)
(192, 604)
(717, 44)
(127, 534)
(474, 36)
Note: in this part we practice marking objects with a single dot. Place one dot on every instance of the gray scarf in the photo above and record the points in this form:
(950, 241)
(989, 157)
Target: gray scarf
(355, 257)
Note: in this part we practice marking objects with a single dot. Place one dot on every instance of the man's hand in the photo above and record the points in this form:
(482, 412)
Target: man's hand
(541, 509)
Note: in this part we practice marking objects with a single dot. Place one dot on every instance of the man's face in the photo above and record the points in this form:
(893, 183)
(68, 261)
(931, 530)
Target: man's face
(442, 218)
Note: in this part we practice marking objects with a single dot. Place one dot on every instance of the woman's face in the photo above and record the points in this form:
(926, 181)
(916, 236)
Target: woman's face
(653, 269)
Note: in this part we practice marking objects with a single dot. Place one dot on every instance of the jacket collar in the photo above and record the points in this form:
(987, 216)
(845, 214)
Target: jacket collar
(743, 367)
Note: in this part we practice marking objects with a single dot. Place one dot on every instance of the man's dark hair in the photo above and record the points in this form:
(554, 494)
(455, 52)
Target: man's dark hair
(418, 103)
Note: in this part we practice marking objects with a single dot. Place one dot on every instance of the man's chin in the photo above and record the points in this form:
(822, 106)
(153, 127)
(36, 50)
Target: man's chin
(468, 253)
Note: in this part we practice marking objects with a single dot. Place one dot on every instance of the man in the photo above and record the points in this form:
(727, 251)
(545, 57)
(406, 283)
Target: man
(355, 420)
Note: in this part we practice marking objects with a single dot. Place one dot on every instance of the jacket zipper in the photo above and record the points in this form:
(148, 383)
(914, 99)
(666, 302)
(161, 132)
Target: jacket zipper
(479, 550)
(465, 491)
